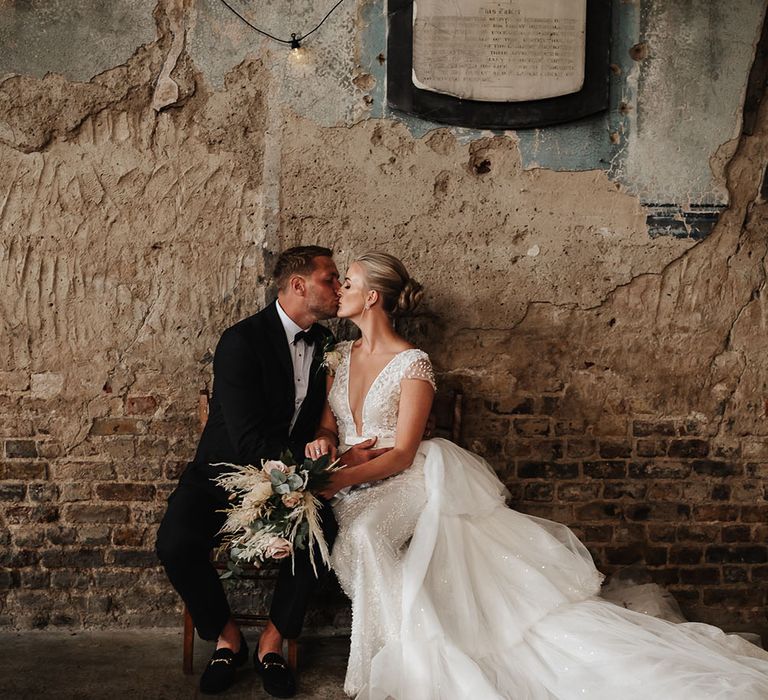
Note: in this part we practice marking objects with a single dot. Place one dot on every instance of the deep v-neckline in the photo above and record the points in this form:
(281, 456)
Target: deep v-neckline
(359, 431)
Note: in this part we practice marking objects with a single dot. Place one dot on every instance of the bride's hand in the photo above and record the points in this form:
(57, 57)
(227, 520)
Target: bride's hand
(318, 448)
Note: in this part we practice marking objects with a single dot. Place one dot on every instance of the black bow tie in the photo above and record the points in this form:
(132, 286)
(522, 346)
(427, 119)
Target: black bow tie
(307, 336)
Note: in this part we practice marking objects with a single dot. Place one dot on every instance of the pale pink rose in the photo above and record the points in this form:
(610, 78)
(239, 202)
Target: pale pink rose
(271, 464)
(292, 499)
(278, 548)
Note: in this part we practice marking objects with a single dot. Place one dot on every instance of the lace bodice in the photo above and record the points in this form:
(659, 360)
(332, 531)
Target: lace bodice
(380, 406)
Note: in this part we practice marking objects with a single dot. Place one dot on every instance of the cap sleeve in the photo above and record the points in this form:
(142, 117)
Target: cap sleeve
(421, 368)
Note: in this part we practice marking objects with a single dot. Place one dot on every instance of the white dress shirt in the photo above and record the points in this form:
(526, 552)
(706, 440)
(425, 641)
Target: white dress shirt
(301, 356)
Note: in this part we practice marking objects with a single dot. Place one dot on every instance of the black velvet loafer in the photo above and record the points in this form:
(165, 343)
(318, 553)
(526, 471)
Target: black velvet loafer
(276, 676)
(219, 674)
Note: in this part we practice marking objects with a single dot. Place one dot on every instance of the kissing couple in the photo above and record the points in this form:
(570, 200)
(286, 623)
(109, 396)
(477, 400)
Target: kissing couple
(453, 594)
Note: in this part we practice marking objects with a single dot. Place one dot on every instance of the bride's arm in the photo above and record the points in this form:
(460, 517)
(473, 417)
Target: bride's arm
(413, 411)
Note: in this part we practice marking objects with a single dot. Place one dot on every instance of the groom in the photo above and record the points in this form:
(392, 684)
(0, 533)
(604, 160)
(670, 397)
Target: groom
(268, 395)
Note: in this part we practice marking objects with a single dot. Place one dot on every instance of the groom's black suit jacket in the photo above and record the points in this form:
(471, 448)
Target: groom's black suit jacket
(253, 397)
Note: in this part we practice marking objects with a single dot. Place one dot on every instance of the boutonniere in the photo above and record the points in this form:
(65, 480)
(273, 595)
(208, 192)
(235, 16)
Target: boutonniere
(331, 357)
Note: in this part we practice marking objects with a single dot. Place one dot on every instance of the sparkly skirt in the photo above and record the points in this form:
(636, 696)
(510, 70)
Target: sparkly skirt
(454, 596)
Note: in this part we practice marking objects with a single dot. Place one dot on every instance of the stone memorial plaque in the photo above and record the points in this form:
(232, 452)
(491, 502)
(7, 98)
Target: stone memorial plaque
(499, 50)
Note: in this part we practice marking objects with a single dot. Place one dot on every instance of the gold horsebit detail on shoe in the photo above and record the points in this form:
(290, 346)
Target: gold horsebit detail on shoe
(225, 660)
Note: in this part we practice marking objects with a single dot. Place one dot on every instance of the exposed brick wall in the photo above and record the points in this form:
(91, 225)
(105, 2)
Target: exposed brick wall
(656, 496)
(78, 529)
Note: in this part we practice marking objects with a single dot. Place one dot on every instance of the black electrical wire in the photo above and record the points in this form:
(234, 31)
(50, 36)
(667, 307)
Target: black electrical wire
(293, 42)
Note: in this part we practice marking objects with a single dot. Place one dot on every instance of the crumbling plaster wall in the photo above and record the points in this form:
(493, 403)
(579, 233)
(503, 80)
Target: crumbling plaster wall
(614, 379)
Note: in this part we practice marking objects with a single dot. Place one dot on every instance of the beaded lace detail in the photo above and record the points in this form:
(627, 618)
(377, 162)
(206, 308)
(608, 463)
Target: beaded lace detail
(379, 412)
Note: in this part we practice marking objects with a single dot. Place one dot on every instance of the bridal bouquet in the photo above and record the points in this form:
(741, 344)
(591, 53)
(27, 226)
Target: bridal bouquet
(274, 511)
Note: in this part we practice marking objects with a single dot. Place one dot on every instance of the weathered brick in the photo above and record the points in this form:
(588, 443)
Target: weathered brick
(644, 428)
(624, 489)
(757, 470)
(685, 555)
(49, 449)
(140, 405)
(89, 513)
(550, 405)
(119, 448)
(598, 533)
(578, 492)
(580, 447)
(20, 449)
(734, 597)
(75, 492)
(670, 511)
(125, 492)
(714, 513)
(42, 492)
(709, 467)
(548, 450)
(659, 470)
(605, 469)
(20, 515)
(134, 558)
(69, 580)
(755, 449)
(753, 514)
(513, 406)
(661, 533)
(82, 471)
(73, 558)
(665, 491)
(18, 558)
(735, 574)
(656, 556)
(60, 535)
(614, 449)
(34, 579)
(697, 533)
(118, 426)
(547, 470)
(128, 536)
(539, 492)
(700, 576)
(599, 511)
(665, 576)
(611, 425)
(737, 554)
(94, 534)
(737, 533)
(629, 554)
(23, 471)
(570, 427)
(648, 447)
(720, 492)
(532, 426)
(688, 448)
(12, 492)
(515, 447)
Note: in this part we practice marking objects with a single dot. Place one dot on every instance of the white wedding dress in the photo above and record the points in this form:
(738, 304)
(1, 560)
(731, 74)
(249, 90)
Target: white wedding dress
(456, 596)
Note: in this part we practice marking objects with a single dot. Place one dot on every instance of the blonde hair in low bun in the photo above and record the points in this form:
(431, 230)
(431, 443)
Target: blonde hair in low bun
(387, 275)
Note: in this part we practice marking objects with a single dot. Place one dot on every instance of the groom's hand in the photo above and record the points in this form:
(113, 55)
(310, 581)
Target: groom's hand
(362, 452)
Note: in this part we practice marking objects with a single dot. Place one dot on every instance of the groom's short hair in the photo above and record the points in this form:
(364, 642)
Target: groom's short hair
(299, 260)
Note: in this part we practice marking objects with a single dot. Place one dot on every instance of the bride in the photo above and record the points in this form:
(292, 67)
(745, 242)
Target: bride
(453, 594)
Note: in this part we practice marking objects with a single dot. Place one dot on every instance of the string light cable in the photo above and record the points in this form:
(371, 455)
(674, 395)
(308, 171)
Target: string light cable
(295, 41)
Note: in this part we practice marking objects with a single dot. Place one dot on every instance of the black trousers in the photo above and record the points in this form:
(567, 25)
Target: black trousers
(188, 532)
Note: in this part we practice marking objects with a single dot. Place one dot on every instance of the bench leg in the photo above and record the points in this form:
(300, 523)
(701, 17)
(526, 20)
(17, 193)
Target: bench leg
(189, 642)
(293, 655)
